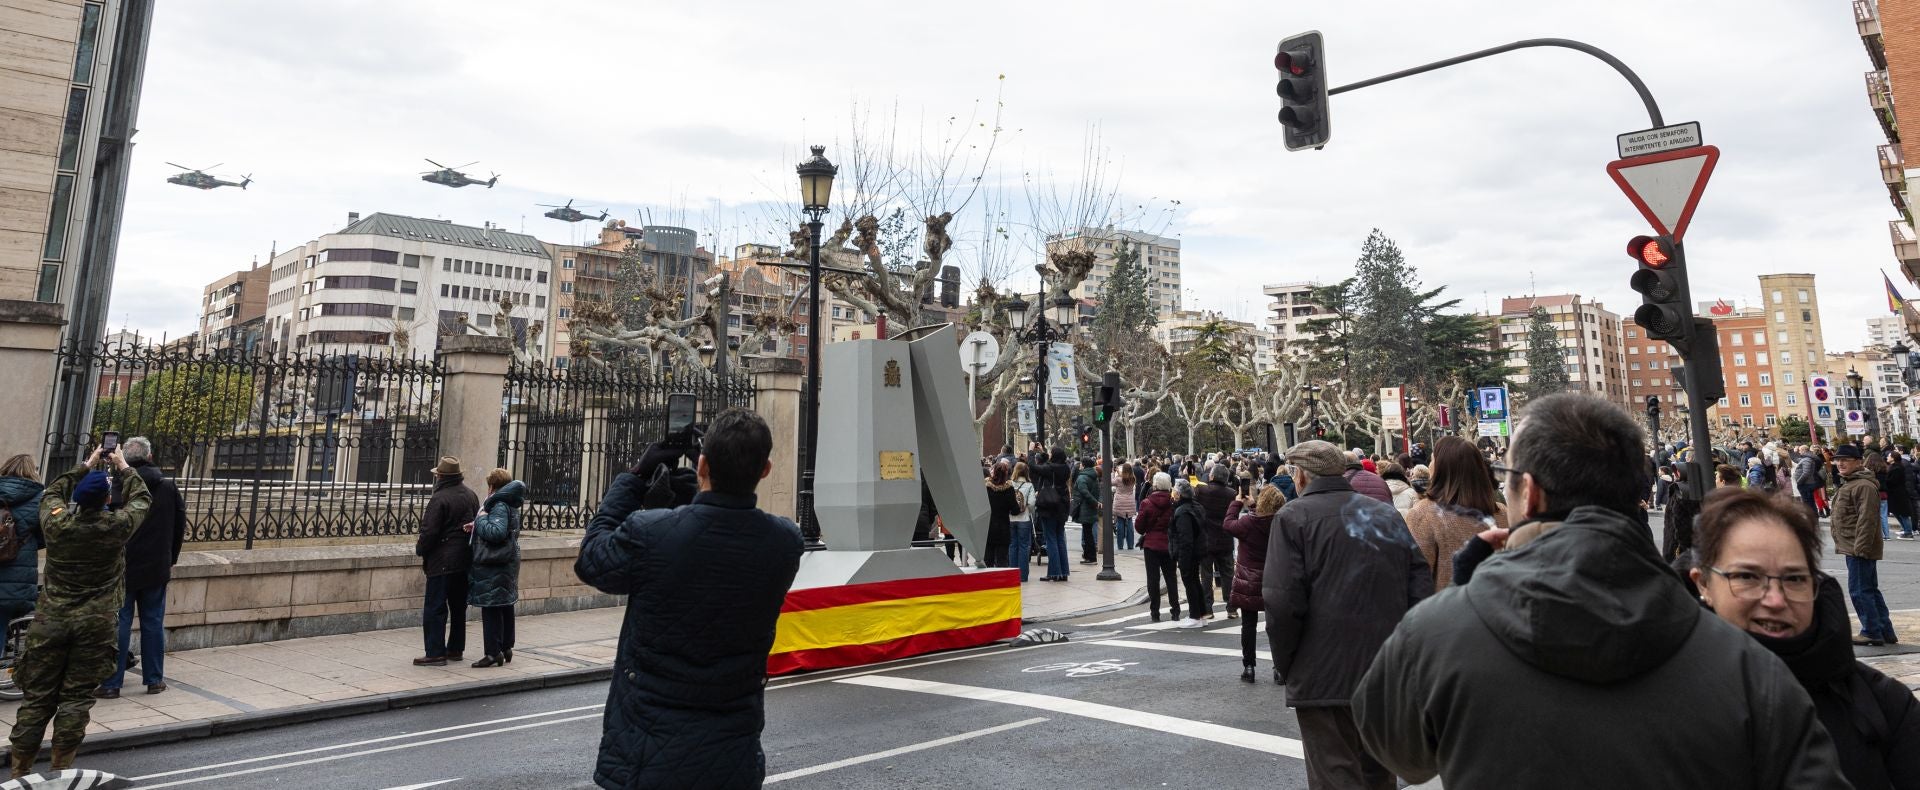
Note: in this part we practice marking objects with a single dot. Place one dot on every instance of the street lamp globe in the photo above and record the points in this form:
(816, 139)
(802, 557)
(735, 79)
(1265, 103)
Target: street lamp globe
(816, 180)
(1064, 307)
(1017, 313)
(1902, 355)
(1853, 379)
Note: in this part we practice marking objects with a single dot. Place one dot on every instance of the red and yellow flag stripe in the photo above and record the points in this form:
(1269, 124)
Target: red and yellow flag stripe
(854, 624)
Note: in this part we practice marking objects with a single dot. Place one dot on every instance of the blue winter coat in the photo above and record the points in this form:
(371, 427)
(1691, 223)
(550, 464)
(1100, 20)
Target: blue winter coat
(498, 523)
(705, 583)
(20, 579)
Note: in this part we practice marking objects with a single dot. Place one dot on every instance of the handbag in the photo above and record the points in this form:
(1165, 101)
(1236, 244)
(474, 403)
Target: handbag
(485, 553)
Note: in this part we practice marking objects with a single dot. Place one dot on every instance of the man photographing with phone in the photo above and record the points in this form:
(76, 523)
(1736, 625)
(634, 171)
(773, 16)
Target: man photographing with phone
(71, 645)
(706, 575)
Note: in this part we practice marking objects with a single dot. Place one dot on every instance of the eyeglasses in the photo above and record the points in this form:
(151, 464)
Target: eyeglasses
(1797, 587)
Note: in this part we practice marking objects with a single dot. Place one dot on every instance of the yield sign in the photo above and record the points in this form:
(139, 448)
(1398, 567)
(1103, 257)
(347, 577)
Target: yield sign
(1666, 186)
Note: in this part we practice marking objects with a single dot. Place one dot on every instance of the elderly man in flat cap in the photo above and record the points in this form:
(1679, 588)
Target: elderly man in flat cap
(1346, 563)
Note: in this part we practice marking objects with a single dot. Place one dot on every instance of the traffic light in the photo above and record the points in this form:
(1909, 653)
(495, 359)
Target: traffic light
(1661, 280)
(1104, 407)
(1301, 61)
(1653, 406)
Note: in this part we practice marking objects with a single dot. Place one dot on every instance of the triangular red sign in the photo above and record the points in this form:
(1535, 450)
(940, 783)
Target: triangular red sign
(1666, 186)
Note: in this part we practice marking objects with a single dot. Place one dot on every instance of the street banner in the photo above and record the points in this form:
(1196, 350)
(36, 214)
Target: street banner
(1445, 416)
(1390, 406)
(1063, 385)
(1028, 425)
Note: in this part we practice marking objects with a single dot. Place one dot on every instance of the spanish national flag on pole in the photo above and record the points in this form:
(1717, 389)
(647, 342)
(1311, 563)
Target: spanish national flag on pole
(1894, 302)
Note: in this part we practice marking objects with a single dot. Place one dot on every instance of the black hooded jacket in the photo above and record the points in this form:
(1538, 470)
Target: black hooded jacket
(1578, 661)
(1873, 719)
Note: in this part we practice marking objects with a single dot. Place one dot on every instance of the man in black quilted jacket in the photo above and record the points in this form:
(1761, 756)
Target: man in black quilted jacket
(685, 705)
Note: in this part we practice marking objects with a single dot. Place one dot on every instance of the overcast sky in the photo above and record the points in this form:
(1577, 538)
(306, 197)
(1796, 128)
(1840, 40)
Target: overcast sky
(1489, 175)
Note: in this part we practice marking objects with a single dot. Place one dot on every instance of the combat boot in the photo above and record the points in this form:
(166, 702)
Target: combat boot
(23, 762)
(63, 757)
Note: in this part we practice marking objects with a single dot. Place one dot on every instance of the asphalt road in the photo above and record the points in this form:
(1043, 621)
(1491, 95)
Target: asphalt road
(1117, 706)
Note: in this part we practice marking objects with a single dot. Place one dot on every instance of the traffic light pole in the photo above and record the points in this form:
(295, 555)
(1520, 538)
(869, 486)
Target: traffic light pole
(1702, 443)
(1109, 389)
(1646, 97)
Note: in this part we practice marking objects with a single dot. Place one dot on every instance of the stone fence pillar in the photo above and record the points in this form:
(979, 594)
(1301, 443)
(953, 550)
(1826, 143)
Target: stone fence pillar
(777, 382)
(470, 401)
(595, 431)
(29, 336)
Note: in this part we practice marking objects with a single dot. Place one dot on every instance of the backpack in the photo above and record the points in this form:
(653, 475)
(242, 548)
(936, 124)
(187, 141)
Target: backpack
(10, 541)
(1019, 502)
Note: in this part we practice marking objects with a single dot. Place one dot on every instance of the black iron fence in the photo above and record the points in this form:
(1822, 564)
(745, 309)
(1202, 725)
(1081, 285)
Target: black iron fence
(567, 433)
(272, 446)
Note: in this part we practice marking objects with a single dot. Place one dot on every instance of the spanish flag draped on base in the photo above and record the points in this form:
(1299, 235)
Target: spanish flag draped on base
(854, 624)
(1894, 302)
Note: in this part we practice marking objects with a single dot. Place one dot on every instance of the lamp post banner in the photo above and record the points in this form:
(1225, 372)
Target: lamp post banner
(1063, 385)
(1028, 425)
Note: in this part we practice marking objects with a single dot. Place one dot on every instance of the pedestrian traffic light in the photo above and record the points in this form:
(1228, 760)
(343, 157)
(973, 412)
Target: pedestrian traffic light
(1301, 62)
(1103, 407)
(1661, 280)
(1653, 405)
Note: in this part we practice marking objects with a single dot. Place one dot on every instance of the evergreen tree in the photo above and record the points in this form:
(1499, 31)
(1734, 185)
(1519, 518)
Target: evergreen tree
(1388, 344)
(1546, 356)
(1125, 308)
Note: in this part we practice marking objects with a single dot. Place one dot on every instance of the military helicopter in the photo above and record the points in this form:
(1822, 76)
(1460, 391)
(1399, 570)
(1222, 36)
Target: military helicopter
(452, 177)
(198, 178)
(568, 213)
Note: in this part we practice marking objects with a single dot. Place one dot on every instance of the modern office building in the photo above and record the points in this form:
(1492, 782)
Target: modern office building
(402, 283)
(1159, 258)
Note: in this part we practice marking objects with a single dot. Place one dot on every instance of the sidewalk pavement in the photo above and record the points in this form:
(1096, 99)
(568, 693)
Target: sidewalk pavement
(227, 689)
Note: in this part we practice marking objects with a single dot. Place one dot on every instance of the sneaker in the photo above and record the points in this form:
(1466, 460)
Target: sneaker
(1867, 641)
(1233, 614)
(1191, 623)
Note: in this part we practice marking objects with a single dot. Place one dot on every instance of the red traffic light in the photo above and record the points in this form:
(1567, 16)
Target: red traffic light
(1295, 62)
(1650, 250)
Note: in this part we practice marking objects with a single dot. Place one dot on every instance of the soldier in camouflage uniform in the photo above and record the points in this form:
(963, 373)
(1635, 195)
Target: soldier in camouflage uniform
(70, 646)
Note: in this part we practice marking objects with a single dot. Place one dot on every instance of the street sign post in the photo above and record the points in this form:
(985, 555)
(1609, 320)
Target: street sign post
(1856, 422)
(1659, 139)
(979, 352)
(1666, 186)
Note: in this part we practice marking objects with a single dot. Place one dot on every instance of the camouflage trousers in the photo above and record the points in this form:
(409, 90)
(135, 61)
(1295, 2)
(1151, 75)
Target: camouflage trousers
(65, 659)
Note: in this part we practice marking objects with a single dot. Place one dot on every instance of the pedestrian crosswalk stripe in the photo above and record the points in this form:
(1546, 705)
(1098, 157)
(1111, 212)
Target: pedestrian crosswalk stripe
(1207, 731)
(1176, 648)
(922, 746)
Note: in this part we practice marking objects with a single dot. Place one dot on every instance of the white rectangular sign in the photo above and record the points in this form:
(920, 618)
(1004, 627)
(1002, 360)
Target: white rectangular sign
(1653, 141)
(1063, 384)
(1028, 425)
(1856, 422)
(1390, 417)
(1493, 428)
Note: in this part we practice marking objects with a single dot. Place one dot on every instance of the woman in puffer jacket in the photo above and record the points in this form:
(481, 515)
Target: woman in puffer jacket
(494, 586)
(20, 493)
(1250, 526)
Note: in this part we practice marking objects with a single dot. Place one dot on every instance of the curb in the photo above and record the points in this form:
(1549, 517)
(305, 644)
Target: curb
(321, 711)
(1138, 597)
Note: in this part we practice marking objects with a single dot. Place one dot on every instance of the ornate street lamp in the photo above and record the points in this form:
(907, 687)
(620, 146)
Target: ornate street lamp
(816, 187)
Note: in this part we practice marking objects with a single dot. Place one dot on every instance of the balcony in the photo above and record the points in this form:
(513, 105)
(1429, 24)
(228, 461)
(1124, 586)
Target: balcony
(1893, 173)
(1906, 248)
(1880, 97)
(1866, 18)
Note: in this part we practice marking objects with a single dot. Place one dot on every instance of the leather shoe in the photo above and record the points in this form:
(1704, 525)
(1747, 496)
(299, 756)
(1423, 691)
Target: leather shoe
(430, 661)
(457, 655)
(487, 661)
(156, 688)
(1247, 674)
(106, 693)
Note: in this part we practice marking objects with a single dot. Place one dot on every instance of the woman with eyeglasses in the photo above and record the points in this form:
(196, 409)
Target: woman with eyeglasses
(1758, 569)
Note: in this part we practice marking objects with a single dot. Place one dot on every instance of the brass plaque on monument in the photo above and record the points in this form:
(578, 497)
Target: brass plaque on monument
(896, 465)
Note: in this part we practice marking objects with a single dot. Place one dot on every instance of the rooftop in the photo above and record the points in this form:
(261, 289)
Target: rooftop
(446, 232)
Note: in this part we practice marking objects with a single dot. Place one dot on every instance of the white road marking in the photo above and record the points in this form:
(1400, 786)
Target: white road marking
(867, 758)
(1118, 620)
(330, 758)
(1218, 733)
(1177, 648)
(316, 750)
(424, 785)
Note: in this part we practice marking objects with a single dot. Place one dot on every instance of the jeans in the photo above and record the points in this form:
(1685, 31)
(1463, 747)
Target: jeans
(445, 618)
(152, 603)
(1160, 565)
(1054, 529)
(1123, 532)
(1020, 543)
(1863, 585)
(496, 629)
(1806, 499)
(1884, 534)
(1906, 524)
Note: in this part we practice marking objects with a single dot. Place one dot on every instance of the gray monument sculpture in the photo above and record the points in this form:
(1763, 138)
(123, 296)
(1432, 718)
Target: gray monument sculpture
(891, 413)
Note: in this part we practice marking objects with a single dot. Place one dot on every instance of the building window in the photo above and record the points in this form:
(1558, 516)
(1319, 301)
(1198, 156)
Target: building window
(1745, 399)
(409, 286)
(1740, 380)
(1777, 297)
(404, 314)
(1746, 419)
(539, 301)
(410, 261)
(305, 313)
(1779, 316)
(55, 247)
(1636, 382)
(70, 133)
(566, 313)
(1772, 420)
(483, 320)
(1766, 379)
(83, 56)
(1739, 360)
(376, 256)
(357, 281)
(542, 277)
(1736, 338)
(446, 264)
(1807, 334)
(1760, 358)
(1633, 366)
(443, 290)
(566, 288)
(1723, 403)
(566, 263)
(1804, 296)
(1793, 399)
(1633, 334)
(1786, 358)
(1766, 399)
(349, 308)
(1806, 316)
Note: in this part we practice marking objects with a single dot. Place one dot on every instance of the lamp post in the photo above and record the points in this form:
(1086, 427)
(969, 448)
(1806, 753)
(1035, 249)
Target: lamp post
(1031, 326)
(1854, 383)
(816, 186)
(1312, 393)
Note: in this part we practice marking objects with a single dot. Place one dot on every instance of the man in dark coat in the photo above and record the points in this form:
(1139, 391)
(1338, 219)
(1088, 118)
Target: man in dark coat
(1585, 618)
(1216, 558)
(686, 705)
(1341, 570)
(446, 554)
(1086, 510)
(151, 555)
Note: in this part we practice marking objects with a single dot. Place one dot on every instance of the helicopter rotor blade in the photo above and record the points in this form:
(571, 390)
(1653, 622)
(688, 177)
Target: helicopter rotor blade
(469, 164)
(182, 167)
(205, 169)
(436, 164)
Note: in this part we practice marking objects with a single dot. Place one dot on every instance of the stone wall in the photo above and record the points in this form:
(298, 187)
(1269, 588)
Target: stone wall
(240, 597)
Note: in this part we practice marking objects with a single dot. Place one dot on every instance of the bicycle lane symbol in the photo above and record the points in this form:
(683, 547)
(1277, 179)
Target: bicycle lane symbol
(1085, 669)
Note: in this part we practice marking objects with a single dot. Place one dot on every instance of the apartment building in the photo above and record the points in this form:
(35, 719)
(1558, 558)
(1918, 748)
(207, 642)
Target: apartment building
(581, 274)
(1792, 307)
(1159, 258)
(1886, 330)
(403, 282)
(1589, 334)
(1292, 308)
(233, 310)
(1179, 332)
